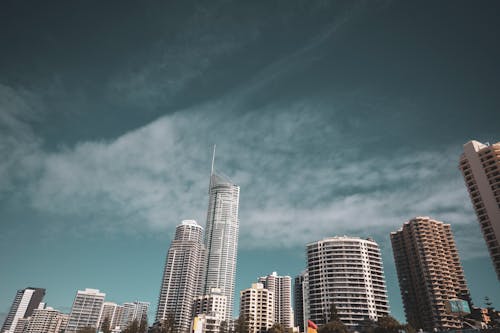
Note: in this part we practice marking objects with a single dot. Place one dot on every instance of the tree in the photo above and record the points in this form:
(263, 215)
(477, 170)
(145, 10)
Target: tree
(133, 327)
(333, 327)
(143, 327)
(241, 325)
(334, 315)
(388, 325)
(105, 326)
(166, 325)
(223, 327)
(276, 328)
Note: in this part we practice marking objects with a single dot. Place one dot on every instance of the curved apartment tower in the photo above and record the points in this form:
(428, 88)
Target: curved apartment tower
(348, 272)
(181, 276)
(221, 238)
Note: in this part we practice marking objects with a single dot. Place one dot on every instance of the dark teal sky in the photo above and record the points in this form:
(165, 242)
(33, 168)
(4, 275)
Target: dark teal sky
(334, 118)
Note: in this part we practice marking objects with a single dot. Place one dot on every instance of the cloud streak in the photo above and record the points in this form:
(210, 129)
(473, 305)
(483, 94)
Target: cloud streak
(294, 189)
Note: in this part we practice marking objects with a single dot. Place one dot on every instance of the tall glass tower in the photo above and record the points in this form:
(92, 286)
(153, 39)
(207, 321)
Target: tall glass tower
(221, 237)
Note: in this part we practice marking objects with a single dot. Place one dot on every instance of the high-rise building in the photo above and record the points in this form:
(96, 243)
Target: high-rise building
(86, 310)
(281, 286)
(429, 273)
(182, 275)
(24, 303)
(221, 238)
(113, 312)
(46, 320)
(348, 272)
(256, 307)
(133, 311)
(301, 300)
(213, 304)
(480, 166)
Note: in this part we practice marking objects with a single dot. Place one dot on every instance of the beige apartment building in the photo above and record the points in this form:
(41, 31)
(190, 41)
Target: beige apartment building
(281, 286)
(429, 273)
(213, 304)
(46, 320)
(480, 166)
(257, 308)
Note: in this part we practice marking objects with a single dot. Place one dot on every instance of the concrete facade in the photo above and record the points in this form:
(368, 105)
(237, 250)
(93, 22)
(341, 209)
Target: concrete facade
(429, 273)
(348, 272)
(480, 166)
(281, 286)
(86, 310)
(182, 276)
(257, 308)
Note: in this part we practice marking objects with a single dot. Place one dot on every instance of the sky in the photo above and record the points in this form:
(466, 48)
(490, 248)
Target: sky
(334, 117)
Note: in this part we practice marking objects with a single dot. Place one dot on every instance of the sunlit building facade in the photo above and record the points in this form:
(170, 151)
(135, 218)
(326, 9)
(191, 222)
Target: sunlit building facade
(348, 272)
(480, 166)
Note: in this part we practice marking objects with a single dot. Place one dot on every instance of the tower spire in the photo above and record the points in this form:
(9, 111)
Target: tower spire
(213, 161)
(212, 169)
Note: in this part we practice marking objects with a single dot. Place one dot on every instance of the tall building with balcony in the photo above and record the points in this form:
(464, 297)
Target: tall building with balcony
(25, 302)
(257, 308)
(429, 273)
(213, 304)
(221, 238)
(46, 320)
(131, 311)
(182, 275)
(348, 272)
(301, 300)
(113, 312)
(480, 166)
(281, 286)
(86, 310)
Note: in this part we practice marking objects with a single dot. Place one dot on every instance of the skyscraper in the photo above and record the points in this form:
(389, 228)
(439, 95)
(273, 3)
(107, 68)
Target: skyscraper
(348, 272)
(281, 286)
(24, 303)
(131, 311)
(221, 238)
(256, 307)
(480, 166)
(429, 273)
(182, 275)
(113, 312)
(86, 310)
(300, 300)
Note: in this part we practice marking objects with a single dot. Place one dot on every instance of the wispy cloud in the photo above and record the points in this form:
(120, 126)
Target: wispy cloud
(299, 179)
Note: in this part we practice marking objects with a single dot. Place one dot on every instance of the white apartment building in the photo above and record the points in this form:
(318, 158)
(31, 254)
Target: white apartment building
(257, 308)
(113, 312)
(86, 310)
(348, 272)
(281, 286)
(131, 311)
(182, 275)
(213, 304)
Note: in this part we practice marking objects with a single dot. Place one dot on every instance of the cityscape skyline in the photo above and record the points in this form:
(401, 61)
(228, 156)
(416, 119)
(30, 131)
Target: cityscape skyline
(345, 118)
